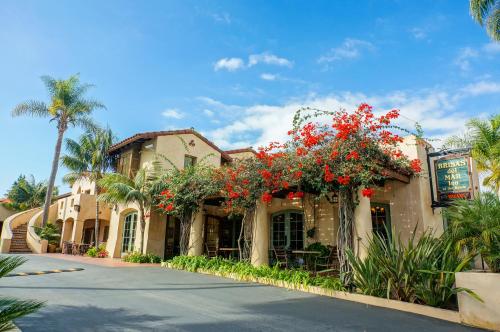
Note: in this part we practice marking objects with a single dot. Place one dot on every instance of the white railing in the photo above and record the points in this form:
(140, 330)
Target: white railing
(37, 245)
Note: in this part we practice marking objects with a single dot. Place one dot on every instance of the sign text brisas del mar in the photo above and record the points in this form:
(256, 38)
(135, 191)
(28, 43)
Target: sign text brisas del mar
(453, 177)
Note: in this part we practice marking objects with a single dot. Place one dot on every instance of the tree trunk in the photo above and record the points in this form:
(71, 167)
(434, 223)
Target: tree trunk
(96, 227)
(53, 173)
(246, 234)
(143, 228)
(345, 233)
(186, 222)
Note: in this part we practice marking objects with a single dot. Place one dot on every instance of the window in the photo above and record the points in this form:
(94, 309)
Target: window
(72, 202)
(129, 227)
(287, 230)
(62, 204)
(381, 219)
(189, 161)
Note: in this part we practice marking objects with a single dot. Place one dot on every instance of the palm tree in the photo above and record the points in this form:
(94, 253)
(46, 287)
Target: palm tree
(67, 107)
(88, 158)
(118, 188)
(487, 11)
(483, 136)
(11, 308)
(475, 225)
(25, 193)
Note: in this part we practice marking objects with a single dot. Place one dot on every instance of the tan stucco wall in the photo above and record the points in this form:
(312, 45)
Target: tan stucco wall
(242, 155)
(172, 147)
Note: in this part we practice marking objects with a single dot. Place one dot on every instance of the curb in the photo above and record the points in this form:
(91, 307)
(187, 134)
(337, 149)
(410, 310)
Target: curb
(38, 273)
(418, 309)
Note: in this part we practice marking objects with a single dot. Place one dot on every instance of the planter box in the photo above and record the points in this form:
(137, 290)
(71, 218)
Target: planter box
(486, 285)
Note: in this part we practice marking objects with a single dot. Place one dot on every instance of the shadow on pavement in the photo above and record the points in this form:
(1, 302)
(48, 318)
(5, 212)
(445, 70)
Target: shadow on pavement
(88, 318)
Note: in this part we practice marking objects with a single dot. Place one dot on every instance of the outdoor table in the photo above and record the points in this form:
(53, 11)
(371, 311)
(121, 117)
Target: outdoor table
(305, 254)
(228, 251)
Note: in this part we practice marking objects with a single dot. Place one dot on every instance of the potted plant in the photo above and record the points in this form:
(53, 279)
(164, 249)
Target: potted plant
(475, 227)
(49, 232)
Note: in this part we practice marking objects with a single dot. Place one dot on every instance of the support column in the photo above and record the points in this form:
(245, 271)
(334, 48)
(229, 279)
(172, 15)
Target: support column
(362, 225)
(196, 234)
(77, 231)
(260, 243)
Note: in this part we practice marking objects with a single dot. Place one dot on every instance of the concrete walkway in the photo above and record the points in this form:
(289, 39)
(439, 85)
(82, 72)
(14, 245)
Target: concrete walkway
(108, 262)
(101, 298)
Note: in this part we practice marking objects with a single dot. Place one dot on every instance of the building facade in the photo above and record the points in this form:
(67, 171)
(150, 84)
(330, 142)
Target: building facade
(403, 205)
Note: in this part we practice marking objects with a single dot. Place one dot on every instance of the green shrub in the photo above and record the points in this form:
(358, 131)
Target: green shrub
(318, 246)
(98, 252)
(137, 257)
(420, 271)
(50, 233)
(245, 270)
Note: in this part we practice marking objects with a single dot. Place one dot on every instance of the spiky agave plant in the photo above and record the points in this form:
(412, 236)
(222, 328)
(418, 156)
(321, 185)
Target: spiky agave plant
(11, 308)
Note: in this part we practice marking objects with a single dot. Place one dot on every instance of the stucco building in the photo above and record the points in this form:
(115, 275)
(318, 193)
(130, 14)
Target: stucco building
(403, 205)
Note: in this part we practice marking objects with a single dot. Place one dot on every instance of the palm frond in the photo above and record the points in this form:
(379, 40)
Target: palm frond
(32, 108)
(9, 263)
(479, 9)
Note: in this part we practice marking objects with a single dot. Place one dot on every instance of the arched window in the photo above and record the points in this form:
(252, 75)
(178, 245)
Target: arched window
(129, 227)
(287, 230)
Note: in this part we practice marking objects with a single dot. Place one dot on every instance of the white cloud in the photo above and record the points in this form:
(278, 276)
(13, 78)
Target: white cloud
(418, 33)
(268, 77)
(492, 48)
(349, 49)
(173, 113)
(464, 57)
(436, 110)
(481, 88)
(230, 64)
(208, 112)
(269, 59)
(221, 17)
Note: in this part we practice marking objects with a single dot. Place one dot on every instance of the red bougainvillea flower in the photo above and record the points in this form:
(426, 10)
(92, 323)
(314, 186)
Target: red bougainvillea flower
(290, 195)
(299, 194)
(169, 207)
(285, 185)
(267, 197)
(352, 155)
(344, 180)
(265, 174)
(234, 195)
(298, 174)
(416, 165)
(328, 177)
(367, 192)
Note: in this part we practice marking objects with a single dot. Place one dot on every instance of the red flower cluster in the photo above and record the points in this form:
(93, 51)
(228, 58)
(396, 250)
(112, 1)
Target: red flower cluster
(329, 176)
(367, 192)
(344, 180)
(166, 201)
(291, 195)
(416, 165)
(267, 198)
(352, 155)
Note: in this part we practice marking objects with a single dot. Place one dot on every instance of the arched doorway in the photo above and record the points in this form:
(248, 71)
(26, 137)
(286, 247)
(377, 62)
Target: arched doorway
(67, 229)
(128, 233)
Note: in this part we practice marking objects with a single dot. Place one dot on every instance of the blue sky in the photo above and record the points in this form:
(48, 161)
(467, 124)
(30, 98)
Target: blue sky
(237, 70)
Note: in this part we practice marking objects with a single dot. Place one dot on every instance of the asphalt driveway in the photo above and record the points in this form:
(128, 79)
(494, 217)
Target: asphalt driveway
(156, 299)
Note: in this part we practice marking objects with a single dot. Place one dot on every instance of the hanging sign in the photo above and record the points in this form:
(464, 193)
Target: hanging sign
(453, 177)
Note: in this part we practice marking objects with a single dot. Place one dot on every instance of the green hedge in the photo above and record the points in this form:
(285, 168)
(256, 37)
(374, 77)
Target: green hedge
(246, 270)
(136, 257)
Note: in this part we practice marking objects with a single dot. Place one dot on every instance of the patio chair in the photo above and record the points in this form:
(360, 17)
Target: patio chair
(67, 247)
(328, 264)
(281, 256)
(212, 250)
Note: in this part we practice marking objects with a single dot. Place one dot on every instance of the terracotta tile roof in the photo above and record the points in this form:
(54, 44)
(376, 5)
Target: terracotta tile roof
(249, 149)
(5, 200)
(153, 134)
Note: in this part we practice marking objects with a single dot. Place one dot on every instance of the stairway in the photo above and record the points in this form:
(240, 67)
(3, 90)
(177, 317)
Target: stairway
(18, 243)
